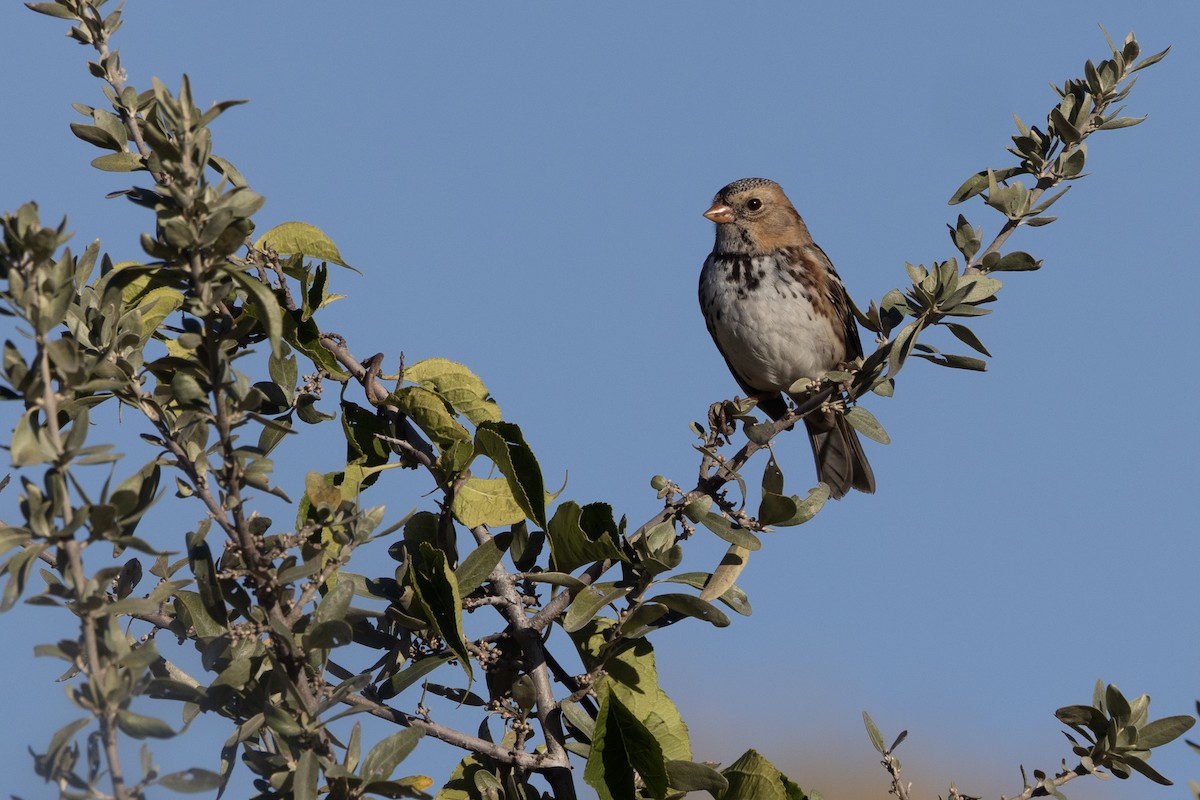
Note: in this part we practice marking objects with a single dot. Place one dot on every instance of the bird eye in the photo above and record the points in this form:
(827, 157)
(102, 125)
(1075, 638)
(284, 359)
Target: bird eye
(754, 204)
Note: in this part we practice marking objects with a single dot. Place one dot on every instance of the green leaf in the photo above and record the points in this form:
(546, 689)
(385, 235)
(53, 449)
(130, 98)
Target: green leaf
(753, 777)
(1071, 168)
(192, 610)
(1145, 769)
(119, 162)
(429, 413)
(302, 238)
(462, 784)
(621, 747)
(437, 589)
(1121, 122)
(967, 337)
(1016, 261)
(865, 423)
(588, 602)
(729, 532)
(693, 606)
(53, 10)
(955, 361)
(978, 183)
(140, 726)
(873, 732)
(190, 781)
(580, 536)
(329, 634)
(265, 305)
(688, 776)
(1117, 705)
(781, 511)
(486, 501)
(1162, 731)
(229, 171)
(95, 135)
(772, 480)
(457, 385)
(157, 305)
(633, 676)
(1150, 60)
(382, 760)
(503, 443)
(416, 670)
(476, 567)
(1063, 127)
(201, 561)
(306, 777)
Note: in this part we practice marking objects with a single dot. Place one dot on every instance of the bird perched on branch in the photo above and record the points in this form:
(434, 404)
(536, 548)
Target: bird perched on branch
(779, 313)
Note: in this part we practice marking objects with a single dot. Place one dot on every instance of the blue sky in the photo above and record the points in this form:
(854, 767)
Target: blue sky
(522, 187)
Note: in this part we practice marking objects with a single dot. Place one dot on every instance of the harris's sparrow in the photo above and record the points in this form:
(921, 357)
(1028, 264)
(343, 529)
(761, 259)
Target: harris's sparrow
(779, 313)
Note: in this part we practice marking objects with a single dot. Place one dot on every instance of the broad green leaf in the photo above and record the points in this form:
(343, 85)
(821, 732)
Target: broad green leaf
(865, 423)
(28, 444)
(429, 413)
(158, 304)
(772, 480)
(307, 776)
(1149, 60)
(461, 785)
(382, 760)
(190, 781)
(201, 561)
(688, 776)
(1145, 769)
(336, 603)
(140, 726)
(955, 361)
(621, 747)
(503, 443)
(457, 385)
(1117, 705)
(53, 10)
(967, 337)
(753, 777)
(95, 135)
(633, 677)
(873, 732)
(329, 634)
(300, 237)
(720, 585)
(580, 536)
(588, 602)
(436, 588)
(978, 183)
(486, 501)
(725, 529)
(781, 511)
(119, 162)
(193, 611)
(265, 305)
(478, 564)
(416, 670)
(1016, 261)
(1162, 731)
(693, 607)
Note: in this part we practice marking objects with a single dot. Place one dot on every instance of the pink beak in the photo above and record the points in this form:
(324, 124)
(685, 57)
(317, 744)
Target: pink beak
(720, 213)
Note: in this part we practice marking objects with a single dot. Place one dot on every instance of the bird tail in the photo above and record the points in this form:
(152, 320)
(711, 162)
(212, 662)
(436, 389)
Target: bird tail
(841, 462)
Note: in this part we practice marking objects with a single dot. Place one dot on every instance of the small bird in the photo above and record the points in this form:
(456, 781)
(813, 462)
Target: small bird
(778, 313)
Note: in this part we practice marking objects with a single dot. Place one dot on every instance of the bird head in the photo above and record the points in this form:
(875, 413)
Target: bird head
(753, 214)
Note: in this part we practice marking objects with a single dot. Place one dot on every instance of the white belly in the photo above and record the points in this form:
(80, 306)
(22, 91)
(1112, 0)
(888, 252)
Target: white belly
(769, 333)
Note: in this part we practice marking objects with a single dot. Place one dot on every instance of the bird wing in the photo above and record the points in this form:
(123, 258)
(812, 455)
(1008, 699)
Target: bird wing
(840, 300)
